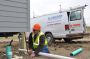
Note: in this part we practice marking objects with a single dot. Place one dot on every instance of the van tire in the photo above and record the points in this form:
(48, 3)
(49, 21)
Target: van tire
(50, 38)
(67, 40)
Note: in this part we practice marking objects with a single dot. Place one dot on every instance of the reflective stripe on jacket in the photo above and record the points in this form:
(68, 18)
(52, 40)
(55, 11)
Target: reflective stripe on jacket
(36, 42)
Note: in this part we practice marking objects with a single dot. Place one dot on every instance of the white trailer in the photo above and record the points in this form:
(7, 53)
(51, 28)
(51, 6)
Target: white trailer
(68, 24)
(14, 15)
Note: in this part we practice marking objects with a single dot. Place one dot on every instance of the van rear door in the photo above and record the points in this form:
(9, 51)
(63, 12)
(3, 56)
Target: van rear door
(76, 22)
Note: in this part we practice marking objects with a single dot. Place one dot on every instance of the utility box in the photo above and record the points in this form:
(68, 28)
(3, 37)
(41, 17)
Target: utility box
(14, 15)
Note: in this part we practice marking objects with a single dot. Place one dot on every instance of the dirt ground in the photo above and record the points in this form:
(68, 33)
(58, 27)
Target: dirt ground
(59, 48)
(65, 49)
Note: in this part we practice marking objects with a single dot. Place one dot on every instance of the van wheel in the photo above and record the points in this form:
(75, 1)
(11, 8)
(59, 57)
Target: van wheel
(50, 38)
(67, 40)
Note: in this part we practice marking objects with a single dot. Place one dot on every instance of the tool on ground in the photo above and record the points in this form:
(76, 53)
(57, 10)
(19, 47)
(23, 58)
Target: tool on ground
(74, 53)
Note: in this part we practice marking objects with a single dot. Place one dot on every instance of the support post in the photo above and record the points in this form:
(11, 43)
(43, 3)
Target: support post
(22, 40)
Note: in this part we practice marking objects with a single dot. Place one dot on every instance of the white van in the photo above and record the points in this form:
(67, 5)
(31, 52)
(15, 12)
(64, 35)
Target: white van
(68, 24)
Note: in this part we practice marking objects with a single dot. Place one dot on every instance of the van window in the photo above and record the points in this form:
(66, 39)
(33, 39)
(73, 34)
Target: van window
(75, 15)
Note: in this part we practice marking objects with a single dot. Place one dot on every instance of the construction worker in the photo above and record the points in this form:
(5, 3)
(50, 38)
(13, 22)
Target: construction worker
(37, 41)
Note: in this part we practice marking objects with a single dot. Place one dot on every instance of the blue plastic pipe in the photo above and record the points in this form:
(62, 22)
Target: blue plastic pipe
(74, 53)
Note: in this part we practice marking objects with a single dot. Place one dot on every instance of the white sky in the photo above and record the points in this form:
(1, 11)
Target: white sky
(41, 7)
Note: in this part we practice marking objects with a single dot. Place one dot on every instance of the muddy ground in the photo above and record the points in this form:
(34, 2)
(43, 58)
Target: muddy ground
(59, 48)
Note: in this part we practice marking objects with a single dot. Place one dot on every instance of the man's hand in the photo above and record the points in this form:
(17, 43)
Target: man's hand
(33, 55)
(30, 51)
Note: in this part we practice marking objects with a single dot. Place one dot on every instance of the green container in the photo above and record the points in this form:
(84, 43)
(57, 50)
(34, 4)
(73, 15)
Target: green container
(9, 52)
(74, 53)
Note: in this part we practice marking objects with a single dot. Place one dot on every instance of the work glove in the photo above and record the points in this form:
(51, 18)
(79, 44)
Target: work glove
(30, 51)
(33, 55)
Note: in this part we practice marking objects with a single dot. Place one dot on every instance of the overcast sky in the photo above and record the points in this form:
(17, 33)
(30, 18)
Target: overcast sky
(41, 7)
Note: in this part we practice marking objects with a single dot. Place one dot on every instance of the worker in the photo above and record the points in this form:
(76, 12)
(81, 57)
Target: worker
(37, 41)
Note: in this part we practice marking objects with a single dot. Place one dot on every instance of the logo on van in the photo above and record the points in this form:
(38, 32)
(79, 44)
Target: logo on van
(55, 17)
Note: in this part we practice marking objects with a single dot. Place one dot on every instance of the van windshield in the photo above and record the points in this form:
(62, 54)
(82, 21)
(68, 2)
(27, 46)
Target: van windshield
(75, 15)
